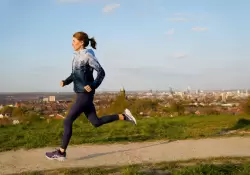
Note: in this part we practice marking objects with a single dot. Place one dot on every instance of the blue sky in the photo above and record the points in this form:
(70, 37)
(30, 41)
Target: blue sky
(142, 44)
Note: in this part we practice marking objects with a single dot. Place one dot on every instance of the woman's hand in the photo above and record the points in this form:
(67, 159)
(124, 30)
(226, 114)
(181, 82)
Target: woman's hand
(88, 88)
(61, 84)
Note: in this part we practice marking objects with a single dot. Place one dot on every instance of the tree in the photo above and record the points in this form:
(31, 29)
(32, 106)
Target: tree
(118, 105)
(246, 106)
(17, 112)
(177, 107)
(7, 110)
(144, 105)
(70, 105)
(30, 116)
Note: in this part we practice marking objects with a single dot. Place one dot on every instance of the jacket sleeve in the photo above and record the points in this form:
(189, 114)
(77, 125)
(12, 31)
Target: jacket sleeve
(68, 80)
(93, 62)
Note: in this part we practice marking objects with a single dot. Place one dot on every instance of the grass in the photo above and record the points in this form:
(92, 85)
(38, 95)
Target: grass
(41, 134)
(214, 166)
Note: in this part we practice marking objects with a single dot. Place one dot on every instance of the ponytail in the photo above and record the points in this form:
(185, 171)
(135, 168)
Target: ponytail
(92, 42)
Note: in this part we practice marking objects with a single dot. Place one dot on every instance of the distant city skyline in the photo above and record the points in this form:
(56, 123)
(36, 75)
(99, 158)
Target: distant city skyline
(141, 44)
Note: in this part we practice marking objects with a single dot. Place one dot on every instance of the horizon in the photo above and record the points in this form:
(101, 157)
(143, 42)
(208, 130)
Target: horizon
(177, 90)
(141, 44)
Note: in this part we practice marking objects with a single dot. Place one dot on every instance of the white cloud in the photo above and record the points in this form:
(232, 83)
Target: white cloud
(182, 14)
(180, 55)
(110, 7)
(180, 19)
(170, 32)
(199, 29)
(70, 1)
(78, 1)
(178, 14)
(152, 71)
(187, 17)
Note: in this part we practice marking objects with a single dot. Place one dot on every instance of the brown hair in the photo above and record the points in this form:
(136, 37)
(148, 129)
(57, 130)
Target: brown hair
(82, 36)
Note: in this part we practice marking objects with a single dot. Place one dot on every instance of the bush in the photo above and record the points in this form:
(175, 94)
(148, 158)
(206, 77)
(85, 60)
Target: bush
(17, 112)
(30, 117)
(144, 105)
(210, 111)
(177, 107)
(7, 109)
(4, 121)
(246, 106)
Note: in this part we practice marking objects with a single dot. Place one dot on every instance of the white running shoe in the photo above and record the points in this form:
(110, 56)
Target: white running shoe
(129, 117)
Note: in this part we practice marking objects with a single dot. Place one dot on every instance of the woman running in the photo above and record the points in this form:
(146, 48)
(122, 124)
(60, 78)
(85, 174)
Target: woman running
(84, 62)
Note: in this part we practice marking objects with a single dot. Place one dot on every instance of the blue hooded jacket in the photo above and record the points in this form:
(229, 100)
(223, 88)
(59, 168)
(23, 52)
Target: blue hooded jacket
(83, 64)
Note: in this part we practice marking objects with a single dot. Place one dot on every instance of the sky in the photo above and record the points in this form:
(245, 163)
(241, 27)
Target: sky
(141, 44)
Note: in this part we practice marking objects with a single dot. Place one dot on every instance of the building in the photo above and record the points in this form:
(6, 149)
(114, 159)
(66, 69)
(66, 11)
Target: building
(45, 99)
(122, 91)
(18, 105)
(52, 98)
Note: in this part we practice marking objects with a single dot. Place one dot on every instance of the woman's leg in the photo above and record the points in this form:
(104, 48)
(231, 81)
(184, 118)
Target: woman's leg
(75, 111)
(90, 113)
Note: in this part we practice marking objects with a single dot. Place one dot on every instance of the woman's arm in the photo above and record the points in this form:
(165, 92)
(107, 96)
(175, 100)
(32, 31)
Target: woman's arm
(93, 62)
(68, 80)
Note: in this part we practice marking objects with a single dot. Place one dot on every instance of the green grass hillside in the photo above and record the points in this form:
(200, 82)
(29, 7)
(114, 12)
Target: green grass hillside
(42, 133)
(218, 166)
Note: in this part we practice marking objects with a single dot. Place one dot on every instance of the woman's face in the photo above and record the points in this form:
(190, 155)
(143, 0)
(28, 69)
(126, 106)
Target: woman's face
(76, 44)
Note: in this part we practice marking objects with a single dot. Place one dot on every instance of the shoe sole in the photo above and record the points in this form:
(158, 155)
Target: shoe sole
(127, 111)
(61, 159)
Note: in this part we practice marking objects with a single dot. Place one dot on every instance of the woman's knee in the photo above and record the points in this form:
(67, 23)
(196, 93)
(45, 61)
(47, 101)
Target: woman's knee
(96, 123)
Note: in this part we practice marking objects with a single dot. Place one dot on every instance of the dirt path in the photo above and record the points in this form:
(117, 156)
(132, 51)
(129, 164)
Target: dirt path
(121, 154)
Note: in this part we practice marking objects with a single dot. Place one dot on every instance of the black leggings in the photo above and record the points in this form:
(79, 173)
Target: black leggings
(83, 104)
